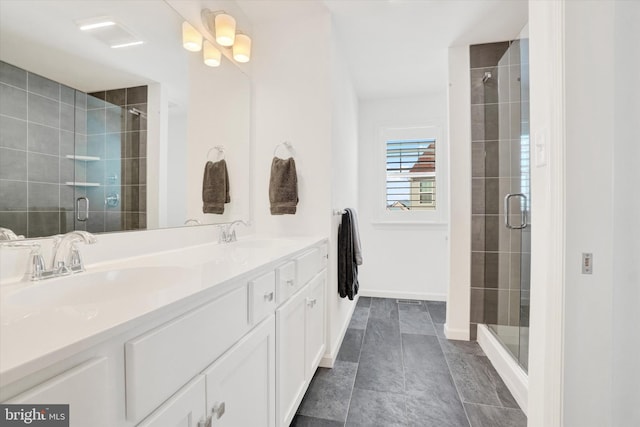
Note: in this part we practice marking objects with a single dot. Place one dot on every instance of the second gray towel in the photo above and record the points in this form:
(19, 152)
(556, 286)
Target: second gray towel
(215, 187)
(283, 186)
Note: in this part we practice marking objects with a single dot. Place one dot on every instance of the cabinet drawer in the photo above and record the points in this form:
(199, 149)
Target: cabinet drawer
(307, 265)
(286, 281)
(160, 362)
(82, 388)
(262, 297)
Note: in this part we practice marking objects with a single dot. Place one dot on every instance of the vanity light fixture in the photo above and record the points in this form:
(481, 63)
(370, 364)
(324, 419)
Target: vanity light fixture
(225, 27)
(211, 55)
(191, 38)
(242, 48)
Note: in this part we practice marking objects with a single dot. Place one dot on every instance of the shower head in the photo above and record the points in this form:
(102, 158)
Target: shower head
(487, 76)
(134, 110)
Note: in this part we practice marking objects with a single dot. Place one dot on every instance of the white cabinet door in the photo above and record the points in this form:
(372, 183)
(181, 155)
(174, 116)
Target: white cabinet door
(314, 323)
(290, 344)
(186, 408)
(241, 384)
(82, 388)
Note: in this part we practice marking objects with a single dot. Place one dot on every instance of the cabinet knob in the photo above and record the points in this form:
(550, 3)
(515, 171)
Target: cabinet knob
(311, 302)
(268, 296)
(218, 409)
(290, 282)
(203, 423)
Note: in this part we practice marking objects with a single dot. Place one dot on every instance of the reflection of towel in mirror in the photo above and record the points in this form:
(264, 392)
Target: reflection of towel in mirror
(215, 187)
(347, 266)
(283, 186)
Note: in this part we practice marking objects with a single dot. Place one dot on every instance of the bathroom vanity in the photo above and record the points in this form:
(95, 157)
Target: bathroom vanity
(214, 334)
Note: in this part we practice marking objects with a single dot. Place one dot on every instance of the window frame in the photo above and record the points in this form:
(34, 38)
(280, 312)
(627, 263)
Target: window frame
(428, 216)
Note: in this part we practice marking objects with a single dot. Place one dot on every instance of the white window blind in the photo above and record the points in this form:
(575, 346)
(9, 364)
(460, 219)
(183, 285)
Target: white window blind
(411, 175)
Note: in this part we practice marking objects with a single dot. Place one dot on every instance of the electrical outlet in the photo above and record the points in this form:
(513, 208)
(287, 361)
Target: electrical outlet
(587, 263)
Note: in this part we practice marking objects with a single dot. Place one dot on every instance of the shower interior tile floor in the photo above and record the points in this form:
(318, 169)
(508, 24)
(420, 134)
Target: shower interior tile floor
(396, 368)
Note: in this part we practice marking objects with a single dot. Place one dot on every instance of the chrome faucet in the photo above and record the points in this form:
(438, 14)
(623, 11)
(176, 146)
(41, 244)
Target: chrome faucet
(227, 233)
(66, 256)
(7, 234)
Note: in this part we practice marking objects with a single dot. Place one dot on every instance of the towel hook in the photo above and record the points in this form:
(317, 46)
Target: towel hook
(287, 145)
(220, 149)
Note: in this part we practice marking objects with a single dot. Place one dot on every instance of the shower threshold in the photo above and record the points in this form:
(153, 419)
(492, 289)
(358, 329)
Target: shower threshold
(513, 375)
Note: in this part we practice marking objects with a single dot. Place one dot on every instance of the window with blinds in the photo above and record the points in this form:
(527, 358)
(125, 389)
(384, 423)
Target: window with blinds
(411, 175)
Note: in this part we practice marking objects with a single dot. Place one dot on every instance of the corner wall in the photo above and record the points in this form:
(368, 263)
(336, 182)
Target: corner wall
(344, 189)
(303, 94)
(458, 297)
(626, 240)
(418, 251)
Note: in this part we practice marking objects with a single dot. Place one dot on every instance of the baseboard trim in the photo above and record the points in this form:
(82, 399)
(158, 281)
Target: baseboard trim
(403, 295)
(514, 377)
(329, 359)
(456, 334)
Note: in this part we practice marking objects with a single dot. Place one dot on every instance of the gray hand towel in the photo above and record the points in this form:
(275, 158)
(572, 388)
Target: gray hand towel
(215, 187)
(283, 186)
(357, 246)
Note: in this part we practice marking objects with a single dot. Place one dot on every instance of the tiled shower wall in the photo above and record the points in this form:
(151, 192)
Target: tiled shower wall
(43, 124)
(497, 169)
(37, 125)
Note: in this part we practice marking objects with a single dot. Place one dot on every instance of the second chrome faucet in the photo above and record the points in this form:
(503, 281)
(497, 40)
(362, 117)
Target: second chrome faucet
(227, 232)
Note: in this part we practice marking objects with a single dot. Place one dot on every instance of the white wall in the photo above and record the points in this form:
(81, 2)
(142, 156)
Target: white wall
(218, 114)
(458, 297)
(546, 55)
(402, 260)
(292, 102)
(626, 206)
(344, 185)
(588, 309)
(584, 328)
(303, 94)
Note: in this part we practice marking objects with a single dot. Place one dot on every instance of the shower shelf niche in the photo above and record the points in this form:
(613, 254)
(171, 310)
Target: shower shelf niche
(83, 158)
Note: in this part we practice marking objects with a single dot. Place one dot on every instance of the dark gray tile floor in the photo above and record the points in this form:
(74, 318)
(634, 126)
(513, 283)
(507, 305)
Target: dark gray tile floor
(396, 368)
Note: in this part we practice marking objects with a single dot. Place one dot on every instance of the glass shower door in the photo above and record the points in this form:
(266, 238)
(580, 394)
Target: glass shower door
(512, 240)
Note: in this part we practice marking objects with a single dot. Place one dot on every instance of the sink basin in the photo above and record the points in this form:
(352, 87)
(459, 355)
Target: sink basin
(264, 243)
(100, 286)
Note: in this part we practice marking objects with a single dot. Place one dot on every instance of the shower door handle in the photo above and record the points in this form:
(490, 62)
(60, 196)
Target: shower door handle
(86, 209)
(507, 212)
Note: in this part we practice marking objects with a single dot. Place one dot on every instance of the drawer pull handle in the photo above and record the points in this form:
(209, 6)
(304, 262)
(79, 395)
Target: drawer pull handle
(311, 302)
(218, 409)
(290, 282)
(268, 296)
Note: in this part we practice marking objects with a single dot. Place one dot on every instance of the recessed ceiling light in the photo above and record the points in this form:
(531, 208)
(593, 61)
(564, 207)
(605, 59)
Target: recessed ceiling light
(94, 23)
(136, 43)
(87, 27)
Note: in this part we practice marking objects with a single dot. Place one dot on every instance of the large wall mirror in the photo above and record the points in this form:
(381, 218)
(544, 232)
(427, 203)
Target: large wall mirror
(104, 138)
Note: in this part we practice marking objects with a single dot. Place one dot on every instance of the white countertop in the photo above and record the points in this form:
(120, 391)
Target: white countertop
(44, 322)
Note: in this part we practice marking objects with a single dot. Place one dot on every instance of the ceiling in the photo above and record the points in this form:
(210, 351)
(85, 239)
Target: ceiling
(397, 48)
